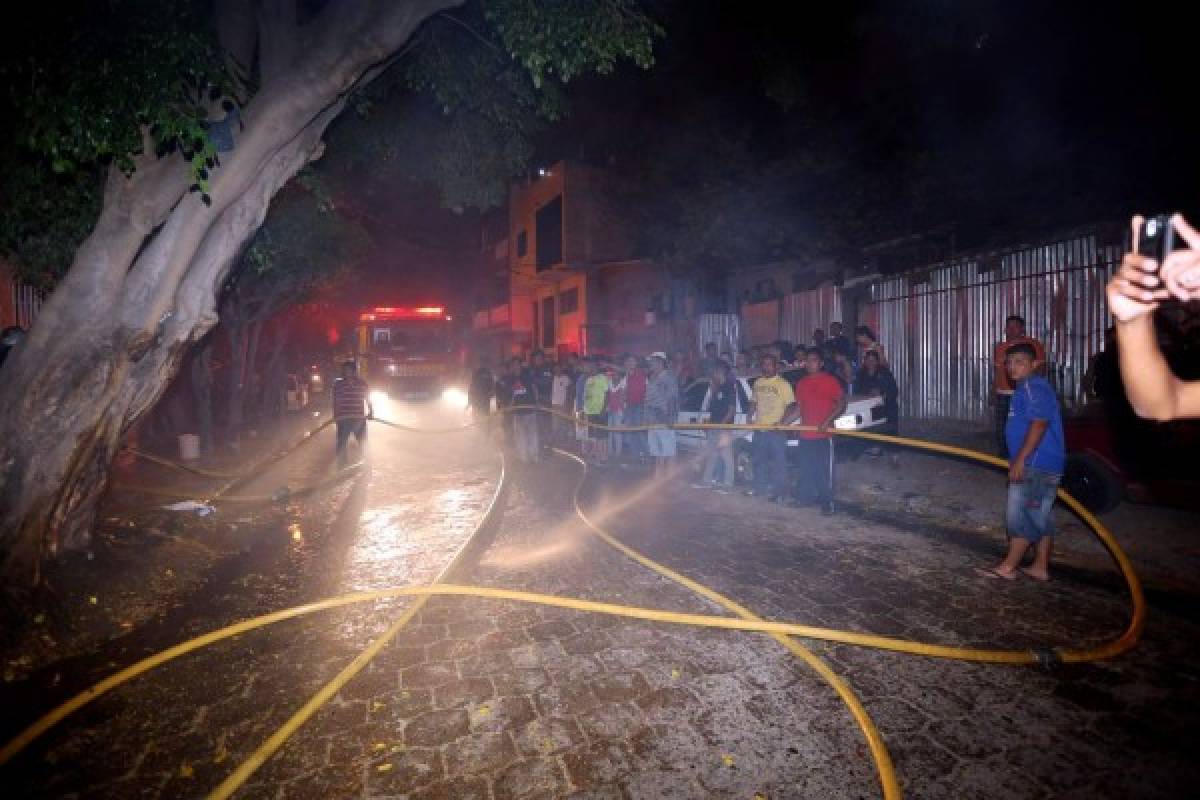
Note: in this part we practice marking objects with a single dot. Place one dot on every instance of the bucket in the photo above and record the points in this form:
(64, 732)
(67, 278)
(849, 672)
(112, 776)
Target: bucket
(189, 446)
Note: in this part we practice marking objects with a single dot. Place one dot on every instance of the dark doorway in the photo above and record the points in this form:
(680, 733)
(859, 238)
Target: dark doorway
(548, 320)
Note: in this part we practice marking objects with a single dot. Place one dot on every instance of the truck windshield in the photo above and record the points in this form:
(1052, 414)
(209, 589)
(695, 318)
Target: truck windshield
(411, 339)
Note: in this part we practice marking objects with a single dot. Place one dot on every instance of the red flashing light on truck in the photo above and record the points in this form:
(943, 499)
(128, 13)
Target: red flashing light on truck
(383, 313)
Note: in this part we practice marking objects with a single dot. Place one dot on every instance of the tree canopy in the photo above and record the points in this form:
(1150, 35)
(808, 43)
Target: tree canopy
(304, 245)
(100, 83)
(88, 85)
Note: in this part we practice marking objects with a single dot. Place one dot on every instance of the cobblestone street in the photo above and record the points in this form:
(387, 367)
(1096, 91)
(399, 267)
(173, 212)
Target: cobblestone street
(489, 699)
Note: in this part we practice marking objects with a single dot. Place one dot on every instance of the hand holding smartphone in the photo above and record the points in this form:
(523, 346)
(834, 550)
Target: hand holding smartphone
(1180, 270)
(1135, 289)
(1157, 239)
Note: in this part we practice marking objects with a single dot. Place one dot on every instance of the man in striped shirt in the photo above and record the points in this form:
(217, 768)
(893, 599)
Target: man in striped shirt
(351, 409)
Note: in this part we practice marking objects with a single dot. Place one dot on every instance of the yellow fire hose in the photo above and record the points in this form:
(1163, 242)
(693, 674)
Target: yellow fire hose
(166, 462)
(235, 479)
(746, 621)
(283, 493)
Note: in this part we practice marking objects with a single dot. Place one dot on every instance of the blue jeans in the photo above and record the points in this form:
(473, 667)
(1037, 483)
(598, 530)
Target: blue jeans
(615, 438)
(347, 426)
(718, 448)
(816, 470)
(635, 441)
(525, 432)
(770, 462)
(1030, 512)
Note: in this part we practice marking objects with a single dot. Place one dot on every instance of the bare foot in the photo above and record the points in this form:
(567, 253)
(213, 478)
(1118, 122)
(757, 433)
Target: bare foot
(1036, 574)
(996, 572)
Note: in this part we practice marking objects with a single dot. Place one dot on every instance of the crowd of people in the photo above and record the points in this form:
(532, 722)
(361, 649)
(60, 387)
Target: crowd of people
(587, 403)
(584, 403)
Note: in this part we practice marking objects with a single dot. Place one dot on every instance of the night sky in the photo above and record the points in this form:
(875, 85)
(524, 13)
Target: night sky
(979, 123)
(1023, 116)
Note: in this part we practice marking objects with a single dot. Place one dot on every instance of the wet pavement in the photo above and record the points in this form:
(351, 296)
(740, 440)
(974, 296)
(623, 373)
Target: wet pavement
(489, 699)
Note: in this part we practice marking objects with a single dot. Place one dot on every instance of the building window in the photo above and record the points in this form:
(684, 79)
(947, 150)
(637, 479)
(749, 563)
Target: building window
(548, 229)
(568, 301)
(522, 244)
(381, 335)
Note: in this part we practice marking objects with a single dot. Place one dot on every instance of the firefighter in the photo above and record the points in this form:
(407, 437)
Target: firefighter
(351, 409)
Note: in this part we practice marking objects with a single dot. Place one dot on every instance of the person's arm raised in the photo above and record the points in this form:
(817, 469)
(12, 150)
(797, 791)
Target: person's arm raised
(1133, 294)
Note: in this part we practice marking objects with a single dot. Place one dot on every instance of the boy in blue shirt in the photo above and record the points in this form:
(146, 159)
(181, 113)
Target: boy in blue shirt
(1034, 435)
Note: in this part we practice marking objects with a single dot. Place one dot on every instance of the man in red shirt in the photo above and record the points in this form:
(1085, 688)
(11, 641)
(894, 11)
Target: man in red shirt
(1014, 333)
(820, 400)
(635, 399)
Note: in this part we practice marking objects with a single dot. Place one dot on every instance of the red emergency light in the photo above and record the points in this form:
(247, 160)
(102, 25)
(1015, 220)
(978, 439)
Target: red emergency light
(392, 312)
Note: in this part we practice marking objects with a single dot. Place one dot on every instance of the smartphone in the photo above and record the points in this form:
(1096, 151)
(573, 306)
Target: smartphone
(1157, 238)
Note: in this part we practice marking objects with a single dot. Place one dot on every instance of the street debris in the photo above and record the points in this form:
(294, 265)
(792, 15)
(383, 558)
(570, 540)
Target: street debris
(200, 509)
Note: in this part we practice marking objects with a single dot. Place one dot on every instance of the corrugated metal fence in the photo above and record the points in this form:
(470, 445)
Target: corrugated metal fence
(723, 330)
(26, 302)
(804, 312)
(939, 327)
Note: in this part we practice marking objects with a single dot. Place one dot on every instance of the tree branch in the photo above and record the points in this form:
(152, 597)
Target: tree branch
(469, 29)
(308, 92)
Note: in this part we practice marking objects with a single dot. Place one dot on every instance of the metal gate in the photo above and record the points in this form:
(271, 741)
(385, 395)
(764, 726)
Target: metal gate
(803, 312)
(939, 326)
(723, 330)
(26, 302)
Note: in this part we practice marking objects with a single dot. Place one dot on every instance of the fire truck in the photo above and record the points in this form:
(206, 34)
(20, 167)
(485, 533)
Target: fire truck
(409, 352)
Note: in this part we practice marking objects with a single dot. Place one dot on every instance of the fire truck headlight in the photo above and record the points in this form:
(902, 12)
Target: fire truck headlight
(378, 397)
(454, 397)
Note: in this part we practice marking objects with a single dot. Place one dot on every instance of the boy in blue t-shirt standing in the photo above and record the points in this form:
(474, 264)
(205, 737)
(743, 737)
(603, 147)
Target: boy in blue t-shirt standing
(1034, 435)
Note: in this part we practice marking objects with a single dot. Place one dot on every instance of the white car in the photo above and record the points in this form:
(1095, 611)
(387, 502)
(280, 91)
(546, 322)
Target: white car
(862, 413)
(693, 409)
(297, 393)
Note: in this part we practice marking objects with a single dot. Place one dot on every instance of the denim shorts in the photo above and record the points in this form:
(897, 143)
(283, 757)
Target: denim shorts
(1030, 512)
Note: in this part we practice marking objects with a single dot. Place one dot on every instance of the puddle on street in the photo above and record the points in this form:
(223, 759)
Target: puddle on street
(409, 542)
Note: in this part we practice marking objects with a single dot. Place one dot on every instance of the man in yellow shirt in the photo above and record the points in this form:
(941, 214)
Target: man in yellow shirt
(773, 397)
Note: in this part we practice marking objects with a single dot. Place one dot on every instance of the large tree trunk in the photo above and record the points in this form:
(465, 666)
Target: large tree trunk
(142, 287)
(252, 379)
(236, 379)
(275, 375)
(201, 380)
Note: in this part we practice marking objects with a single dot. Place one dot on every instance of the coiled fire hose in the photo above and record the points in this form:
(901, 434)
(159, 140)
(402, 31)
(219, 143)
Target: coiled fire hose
(746, 620)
